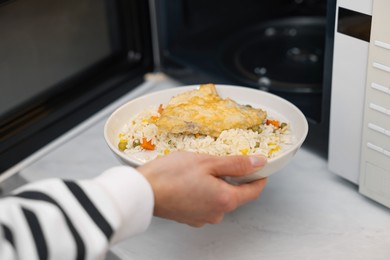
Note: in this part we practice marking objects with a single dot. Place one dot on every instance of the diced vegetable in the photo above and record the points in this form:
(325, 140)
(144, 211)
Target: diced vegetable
(244, 151)
(160, 109)
(147, 145)
(273, 122)
(122, 145)
(136, 142)
(257, 129)
(273, 150)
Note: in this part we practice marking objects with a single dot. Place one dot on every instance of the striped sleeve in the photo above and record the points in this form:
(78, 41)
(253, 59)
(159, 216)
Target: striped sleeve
(63, 219)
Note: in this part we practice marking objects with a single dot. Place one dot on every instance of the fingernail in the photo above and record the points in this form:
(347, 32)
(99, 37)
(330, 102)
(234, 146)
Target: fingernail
(258, 161)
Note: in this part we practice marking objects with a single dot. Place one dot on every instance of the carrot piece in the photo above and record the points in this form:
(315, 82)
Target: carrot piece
(160, 109)
(147, 144)
(275, 123)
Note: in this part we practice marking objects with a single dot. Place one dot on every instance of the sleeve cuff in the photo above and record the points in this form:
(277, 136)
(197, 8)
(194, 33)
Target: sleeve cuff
(133, 197)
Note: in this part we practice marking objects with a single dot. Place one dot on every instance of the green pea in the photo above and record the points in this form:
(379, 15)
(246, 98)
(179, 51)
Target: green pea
(122, 146)
(136, 142)
(257, 129)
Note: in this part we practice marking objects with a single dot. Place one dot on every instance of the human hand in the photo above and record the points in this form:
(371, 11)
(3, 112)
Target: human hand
(188, 189)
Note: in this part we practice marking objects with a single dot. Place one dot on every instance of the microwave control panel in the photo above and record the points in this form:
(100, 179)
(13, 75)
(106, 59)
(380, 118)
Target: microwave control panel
(374, 179)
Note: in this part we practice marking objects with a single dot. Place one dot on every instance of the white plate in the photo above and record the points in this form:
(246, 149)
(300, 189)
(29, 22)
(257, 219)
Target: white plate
(275, 106)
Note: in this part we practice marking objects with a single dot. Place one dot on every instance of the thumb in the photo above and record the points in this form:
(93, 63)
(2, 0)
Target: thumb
(236, 166)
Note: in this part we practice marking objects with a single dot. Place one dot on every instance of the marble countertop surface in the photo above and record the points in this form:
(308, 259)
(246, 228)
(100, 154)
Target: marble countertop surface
(304, 212)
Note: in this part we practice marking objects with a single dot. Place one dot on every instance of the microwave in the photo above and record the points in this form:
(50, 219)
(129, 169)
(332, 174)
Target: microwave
(62, 61)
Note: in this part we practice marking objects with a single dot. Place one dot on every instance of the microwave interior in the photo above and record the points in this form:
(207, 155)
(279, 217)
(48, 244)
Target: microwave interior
(281, 46)
(62, 61)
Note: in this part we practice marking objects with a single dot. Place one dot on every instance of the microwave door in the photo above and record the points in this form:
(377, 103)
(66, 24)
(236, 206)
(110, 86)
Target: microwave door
(61, 63)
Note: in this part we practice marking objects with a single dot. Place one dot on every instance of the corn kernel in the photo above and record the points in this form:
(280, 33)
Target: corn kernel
(277, 148)
(244, 151)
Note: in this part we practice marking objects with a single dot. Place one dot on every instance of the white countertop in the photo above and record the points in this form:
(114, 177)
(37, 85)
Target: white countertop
(305, 211)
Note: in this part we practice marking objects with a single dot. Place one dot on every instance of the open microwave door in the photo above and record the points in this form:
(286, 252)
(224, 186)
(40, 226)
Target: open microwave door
(61, 62)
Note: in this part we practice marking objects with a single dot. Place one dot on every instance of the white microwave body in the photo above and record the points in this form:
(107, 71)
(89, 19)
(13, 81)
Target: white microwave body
(359, 139)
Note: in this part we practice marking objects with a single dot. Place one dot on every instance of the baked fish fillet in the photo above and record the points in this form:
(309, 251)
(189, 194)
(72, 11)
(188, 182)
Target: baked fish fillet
(203, 111)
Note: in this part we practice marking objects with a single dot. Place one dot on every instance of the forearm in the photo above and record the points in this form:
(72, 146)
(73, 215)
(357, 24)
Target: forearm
(74, 220)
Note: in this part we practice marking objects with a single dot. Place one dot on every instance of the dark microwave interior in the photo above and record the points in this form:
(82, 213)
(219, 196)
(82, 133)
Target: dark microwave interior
(280, 46)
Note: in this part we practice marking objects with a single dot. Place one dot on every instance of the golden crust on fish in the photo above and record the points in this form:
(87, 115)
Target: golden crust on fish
(203, 111)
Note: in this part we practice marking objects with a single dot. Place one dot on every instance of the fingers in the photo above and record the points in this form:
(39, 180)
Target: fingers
(239, 195)
(249, 191)
(236, 166)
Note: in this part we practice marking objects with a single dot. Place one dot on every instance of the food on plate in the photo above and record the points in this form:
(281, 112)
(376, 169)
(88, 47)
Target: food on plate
(199, 120)
(203, 111)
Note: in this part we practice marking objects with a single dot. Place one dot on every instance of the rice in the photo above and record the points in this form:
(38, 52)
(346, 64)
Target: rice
(267, 140)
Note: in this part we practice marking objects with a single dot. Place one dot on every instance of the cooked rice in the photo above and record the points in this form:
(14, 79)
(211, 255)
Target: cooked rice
(270, 142)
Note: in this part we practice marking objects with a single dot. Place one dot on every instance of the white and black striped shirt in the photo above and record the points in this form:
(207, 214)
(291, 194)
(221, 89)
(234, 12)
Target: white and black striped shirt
(61, 219)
